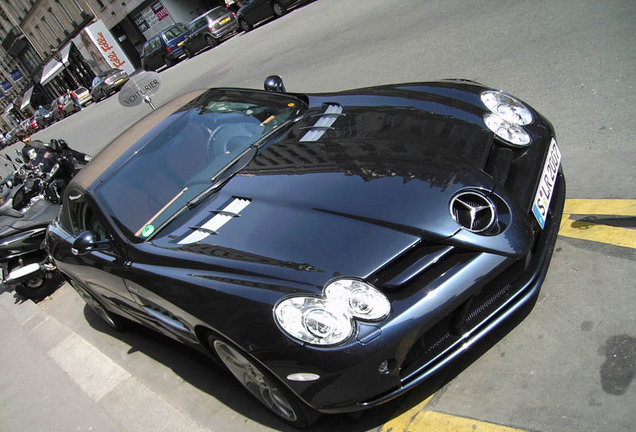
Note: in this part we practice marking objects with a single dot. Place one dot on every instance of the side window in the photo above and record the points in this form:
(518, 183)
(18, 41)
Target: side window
(78, 216)
(93, 224)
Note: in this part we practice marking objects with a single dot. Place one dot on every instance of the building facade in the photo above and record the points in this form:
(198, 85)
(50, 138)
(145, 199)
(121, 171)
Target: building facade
(49, 46)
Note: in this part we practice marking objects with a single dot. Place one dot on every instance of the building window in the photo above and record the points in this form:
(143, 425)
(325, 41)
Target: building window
(48, 26)
(77, 5)
(37, 42)
(55, 18)
(46, 39)
(66, 12)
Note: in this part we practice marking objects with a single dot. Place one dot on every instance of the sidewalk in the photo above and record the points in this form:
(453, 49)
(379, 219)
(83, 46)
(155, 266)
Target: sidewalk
(54, 380)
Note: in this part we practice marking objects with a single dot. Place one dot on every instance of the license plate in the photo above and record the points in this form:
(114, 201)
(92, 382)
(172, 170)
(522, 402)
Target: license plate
(180, 43)
(224, 20)
(547, 181)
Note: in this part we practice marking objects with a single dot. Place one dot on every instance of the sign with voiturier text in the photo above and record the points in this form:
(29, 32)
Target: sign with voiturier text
(139, 88)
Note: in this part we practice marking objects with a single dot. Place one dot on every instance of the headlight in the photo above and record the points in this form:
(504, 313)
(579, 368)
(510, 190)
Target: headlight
(509, 132)
(330, 319)
(507, 107)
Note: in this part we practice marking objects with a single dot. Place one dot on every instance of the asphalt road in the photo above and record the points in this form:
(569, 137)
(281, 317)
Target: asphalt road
(570, 365)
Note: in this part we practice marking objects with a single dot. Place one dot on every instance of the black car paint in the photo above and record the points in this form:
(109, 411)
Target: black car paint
(370, 201)
(255, 11)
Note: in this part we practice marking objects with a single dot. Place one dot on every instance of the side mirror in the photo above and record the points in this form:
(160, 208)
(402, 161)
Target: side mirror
(86, 243)
(274, 83)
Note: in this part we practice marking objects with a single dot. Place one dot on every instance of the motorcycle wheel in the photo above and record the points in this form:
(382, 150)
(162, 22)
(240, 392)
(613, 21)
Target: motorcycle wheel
(40, 286)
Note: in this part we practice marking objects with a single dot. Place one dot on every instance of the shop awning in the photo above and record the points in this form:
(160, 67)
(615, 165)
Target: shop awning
(26, 99)
(54, 67)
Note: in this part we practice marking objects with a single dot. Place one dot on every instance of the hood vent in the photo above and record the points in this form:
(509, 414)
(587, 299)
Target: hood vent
(212, 226)
(473, 211)
(324, 123)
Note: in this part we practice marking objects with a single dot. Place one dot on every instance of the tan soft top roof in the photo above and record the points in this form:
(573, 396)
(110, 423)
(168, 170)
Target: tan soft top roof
(123, 142)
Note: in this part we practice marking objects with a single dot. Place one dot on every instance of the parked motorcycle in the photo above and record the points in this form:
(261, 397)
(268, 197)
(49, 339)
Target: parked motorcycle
(29, 208)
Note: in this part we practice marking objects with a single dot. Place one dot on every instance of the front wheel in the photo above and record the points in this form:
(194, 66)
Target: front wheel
(211, 41)
(264, 386)
(245, 26)
(279, 10)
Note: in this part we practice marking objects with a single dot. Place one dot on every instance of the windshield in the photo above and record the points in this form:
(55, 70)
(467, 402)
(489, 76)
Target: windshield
(217, 12)
(181, 158)
(174, 32)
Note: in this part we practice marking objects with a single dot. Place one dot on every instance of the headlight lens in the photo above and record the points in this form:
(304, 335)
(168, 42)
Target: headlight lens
(329, 320)
(509, 132)
(507, 107)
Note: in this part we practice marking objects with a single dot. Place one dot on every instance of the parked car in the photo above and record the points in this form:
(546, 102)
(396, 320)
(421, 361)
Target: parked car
(63, 106)
(108, 82)
(255, 11)
(43, 117)
(11, 137)
(84, 95)
(166, 48)
(331, 250)
(209, 29)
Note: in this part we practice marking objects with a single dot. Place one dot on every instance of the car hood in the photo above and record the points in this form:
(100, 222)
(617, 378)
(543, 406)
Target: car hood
(374, 184)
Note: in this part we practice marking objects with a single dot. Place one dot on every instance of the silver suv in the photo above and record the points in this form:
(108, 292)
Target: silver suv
(209, 29)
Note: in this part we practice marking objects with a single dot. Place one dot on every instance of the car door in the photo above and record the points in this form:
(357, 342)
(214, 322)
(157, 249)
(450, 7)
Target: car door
(257, 10)
(101, 272)
(197, 34)
(153, 58)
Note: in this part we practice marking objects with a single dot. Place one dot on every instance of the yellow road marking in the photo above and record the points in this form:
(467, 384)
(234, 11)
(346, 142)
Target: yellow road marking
(588, 230)
(614, 207)
(418, 419)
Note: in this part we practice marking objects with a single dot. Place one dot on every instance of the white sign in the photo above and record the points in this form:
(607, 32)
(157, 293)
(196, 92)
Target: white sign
(97, 41)
(139, 88)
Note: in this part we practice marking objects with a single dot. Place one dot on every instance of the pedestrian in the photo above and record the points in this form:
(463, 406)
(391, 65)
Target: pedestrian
(74, 97)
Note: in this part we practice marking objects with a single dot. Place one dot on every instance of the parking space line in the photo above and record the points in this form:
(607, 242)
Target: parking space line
(589, 228)
(614, 207)
(419, 419)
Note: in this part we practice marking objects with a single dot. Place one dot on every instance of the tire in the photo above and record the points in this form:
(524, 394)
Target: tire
(111, 319)
(278, 9)
(264, 386)
(211, 41)
(169, 62)
(40, 286)
(187, 52)
(245, 26)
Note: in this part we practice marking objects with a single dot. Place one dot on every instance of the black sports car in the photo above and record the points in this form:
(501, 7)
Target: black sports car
(331, 250)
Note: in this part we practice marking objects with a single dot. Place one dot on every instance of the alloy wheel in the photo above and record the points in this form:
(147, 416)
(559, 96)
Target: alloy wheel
(256, 381)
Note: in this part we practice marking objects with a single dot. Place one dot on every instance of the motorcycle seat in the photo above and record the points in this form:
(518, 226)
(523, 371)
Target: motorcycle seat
(6, 209)
(40, 214)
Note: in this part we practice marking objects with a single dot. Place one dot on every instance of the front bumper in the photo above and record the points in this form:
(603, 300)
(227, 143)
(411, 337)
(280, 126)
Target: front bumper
(430, 331)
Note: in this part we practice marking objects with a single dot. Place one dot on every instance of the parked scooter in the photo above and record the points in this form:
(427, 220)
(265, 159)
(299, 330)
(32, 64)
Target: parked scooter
(28, 210)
